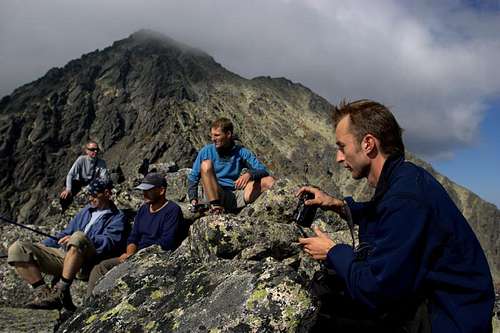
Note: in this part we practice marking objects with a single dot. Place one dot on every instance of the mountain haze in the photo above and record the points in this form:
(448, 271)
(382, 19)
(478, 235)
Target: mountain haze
(150, 97)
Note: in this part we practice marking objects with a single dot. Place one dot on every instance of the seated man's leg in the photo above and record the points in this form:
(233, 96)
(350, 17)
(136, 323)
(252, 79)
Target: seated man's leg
(210, 185)
(233, 201)
(79, 249)
(99, 271)
(255, 188)
(29, 261)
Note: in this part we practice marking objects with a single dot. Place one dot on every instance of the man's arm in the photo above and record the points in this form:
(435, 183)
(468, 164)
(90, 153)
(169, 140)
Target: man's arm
(174, 230)
(194, 179)
(68, 231)
(72, 174)
(323, 200)
(256, 168)
(390, 271)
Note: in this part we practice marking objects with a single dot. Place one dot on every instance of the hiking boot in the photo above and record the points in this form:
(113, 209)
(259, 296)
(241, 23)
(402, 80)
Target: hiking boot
(57, 298)
(37, 300)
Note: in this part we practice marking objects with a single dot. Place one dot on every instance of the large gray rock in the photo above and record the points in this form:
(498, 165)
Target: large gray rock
(161, 292)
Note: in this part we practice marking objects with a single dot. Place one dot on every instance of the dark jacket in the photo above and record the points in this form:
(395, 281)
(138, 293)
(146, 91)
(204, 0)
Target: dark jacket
(106, 235)
(420, 247)
(166, 227)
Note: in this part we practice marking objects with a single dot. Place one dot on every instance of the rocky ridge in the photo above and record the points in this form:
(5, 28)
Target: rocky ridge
(242, 272)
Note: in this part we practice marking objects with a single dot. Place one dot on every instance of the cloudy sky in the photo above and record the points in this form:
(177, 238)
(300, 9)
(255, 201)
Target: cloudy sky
(436, 64)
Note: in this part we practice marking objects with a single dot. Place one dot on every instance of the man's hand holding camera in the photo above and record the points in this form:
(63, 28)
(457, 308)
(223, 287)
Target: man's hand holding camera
(318, 246)
(323, 200)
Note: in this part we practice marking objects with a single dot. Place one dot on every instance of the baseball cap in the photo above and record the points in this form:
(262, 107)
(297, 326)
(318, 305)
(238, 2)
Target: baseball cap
(152, 180)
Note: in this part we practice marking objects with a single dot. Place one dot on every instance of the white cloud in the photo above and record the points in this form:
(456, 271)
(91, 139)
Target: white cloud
(433, 63)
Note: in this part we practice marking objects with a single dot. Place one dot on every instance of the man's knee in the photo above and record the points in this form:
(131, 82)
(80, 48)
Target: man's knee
(267, 182)
(20, 251)
(78, 242)
(206, 167)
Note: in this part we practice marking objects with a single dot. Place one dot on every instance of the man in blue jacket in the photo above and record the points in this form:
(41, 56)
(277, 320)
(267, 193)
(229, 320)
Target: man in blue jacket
(418, 262)
(95, 233)
(158, 222)
(219, 166)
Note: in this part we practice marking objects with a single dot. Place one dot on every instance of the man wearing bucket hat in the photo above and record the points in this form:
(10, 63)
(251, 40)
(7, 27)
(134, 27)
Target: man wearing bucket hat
(93, 234)
(158, 222)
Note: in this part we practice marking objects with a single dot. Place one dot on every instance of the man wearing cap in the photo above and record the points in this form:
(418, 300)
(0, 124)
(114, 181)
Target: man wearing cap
(219, 166)
(85, 169)
(158, 222)
(95, 233)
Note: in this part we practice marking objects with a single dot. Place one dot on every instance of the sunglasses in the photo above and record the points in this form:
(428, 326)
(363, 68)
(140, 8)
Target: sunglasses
(93, 149)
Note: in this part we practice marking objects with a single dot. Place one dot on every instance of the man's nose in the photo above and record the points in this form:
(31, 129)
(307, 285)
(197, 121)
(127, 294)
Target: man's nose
(340, 157)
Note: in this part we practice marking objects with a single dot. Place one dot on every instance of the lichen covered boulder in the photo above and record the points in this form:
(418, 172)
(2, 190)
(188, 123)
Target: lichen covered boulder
(167, 292)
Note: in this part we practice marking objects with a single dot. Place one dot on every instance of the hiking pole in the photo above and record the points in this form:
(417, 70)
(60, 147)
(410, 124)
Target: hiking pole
(25, 227)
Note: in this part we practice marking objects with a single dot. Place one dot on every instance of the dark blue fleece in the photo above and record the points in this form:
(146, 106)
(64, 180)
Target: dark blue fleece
(165, 227)
(421, 247)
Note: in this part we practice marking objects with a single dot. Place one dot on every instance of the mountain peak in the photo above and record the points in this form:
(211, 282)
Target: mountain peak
(144, 37)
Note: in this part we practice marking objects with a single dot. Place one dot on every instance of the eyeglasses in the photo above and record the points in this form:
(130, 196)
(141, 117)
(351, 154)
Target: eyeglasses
(93, 149)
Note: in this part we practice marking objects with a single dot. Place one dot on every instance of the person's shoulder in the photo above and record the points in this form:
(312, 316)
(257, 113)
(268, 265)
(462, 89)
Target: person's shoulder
(172, 205)
(207, 147)
(242, 150)
(207, 150)
(412, 182)
(81, 159)
(84, 210)
(144, 207)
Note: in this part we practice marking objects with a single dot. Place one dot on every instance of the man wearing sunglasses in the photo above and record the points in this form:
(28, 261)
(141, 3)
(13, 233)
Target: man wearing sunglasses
(85, 169)
(94, 234)
(159, 221)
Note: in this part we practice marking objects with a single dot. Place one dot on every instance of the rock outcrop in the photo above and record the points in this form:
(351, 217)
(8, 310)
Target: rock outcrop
(234, 273)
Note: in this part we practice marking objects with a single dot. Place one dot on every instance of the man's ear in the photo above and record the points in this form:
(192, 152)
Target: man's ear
(369, 143)
(163, 190)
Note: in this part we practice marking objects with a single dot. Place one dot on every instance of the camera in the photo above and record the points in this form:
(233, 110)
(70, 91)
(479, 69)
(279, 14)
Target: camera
(304, 215)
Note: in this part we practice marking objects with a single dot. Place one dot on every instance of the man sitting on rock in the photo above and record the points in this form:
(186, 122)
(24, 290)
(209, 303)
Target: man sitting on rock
(158, 222)
(94, 233)
(85, 169)
(219, 165)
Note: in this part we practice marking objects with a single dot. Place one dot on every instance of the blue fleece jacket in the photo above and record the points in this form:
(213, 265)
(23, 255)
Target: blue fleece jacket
(421, 246)
(227, 167)
(106, 234)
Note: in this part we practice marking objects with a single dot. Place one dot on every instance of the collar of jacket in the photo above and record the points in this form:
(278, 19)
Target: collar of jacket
(392, 162)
